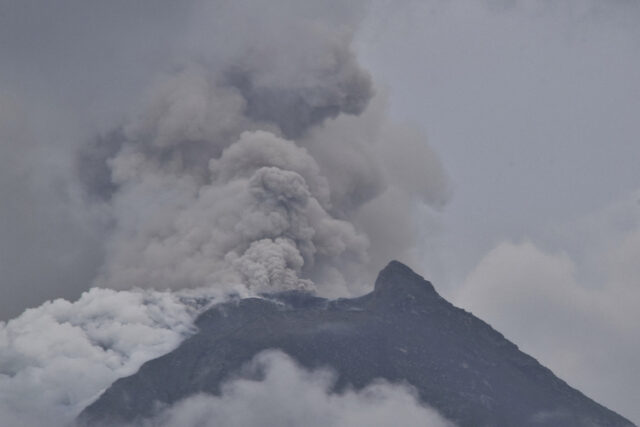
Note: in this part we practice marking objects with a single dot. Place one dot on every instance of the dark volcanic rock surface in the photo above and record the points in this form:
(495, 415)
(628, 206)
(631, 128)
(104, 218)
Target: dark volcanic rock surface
(403, 331)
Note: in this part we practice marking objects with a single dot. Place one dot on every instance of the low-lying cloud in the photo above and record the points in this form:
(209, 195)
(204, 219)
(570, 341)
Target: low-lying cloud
(57, 358)
(275, 391)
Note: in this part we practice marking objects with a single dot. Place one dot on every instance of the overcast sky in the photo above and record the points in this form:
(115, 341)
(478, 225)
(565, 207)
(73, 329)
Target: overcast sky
(532, 107)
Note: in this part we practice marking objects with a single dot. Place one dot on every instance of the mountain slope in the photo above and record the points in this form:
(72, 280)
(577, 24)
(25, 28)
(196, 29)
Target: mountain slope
(403, 331)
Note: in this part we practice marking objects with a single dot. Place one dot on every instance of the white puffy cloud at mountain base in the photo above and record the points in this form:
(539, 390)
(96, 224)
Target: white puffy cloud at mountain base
(56, 358)
(289, 395)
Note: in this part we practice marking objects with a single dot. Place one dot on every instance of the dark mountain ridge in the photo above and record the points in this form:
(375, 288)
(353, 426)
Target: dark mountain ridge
(403, 331)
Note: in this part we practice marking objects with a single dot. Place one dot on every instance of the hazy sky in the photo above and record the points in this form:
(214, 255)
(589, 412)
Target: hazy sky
(533, 107)
(527, 200)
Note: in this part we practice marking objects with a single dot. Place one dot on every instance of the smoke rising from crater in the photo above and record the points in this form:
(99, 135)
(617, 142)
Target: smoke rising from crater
(259, 163)
(226, 147)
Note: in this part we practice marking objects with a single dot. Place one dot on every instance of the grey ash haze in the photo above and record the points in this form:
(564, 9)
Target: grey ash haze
(159, 156)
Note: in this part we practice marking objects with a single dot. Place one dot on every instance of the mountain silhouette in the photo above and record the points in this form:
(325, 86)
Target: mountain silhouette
(403, 332)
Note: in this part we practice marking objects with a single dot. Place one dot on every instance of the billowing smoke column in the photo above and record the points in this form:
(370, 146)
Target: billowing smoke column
(249, 170)
(260, 163)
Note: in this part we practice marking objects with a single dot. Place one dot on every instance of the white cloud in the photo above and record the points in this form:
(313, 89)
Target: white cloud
(289, 395)
(56, 358)
(582, 327)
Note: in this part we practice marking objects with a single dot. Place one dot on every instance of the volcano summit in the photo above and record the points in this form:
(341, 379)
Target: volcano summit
(402, 332)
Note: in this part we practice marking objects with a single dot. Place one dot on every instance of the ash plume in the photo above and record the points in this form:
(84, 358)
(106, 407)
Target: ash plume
(259, 159)
(257, 167)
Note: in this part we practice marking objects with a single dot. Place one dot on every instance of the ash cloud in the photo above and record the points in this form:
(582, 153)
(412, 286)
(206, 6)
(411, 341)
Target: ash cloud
(259, 165)
(126, 152)
(254, 160)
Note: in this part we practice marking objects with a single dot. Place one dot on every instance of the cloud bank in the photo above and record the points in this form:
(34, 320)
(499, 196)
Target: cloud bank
(287, 394)
(57, 358)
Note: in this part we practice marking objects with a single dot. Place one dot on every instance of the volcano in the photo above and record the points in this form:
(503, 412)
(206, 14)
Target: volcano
(402, 332)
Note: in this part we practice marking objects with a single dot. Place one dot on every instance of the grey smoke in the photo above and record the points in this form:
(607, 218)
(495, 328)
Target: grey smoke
(100, 82)
(249, 166)
(49, 241)
(68, 70)
(170, 150)
(79, 67)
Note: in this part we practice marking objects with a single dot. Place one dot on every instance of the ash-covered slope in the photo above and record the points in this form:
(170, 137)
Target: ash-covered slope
(403, 331)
